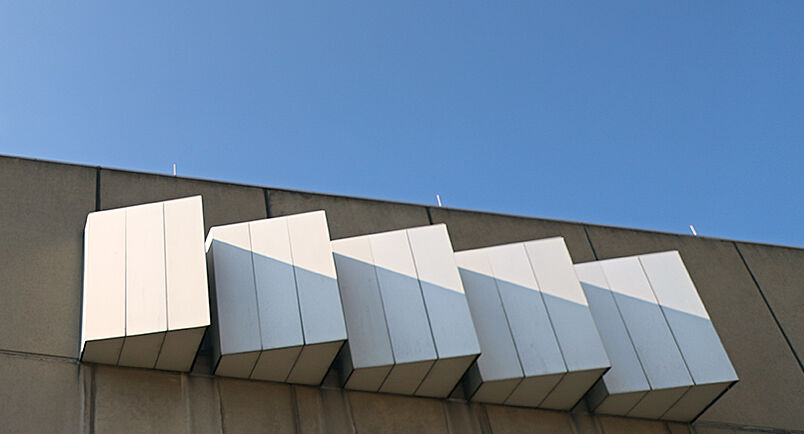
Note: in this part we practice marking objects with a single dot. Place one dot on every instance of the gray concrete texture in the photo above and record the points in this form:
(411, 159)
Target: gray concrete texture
(753, 294)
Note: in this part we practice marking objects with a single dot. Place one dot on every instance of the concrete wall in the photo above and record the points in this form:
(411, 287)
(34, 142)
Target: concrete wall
(754, 295)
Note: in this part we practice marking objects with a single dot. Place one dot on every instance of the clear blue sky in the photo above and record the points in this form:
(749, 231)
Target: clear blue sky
(654, 115)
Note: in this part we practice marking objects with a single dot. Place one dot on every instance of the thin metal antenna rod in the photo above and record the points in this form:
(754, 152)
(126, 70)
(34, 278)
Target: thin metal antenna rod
(438, 198)
(692, 228)
(174, 169)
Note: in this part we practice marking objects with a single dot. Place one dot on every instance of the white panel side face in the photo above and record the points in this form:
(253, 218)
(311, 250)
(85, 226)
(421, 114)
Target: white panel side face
(567, 305)
(682, 306)
(626, 374)
(654, 343)
(146, 294)
(408, 327)
(316, 281)
(369, 344)
(186, 267)
(451, 323)
(530, 323)
(498, 358)
(104, 299)
(235, 294)
(275, 281)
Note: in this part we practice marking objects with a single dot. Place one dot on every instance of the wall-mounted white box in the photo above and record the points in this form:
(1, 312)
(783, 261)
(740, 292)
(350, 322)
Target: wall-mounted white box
(709, 365)
(667, 361)
(409, 326)
(276, 305)
(145, 300)
(539, 343)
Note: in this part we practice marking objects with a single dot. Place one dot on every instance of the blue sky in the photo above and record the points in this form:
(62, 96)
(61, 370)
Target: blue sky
(654, 115)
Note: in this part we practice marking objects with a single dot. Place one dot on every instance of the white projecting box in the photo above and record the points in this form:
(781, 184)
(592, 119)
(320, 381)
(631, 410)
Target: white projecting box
(145, 300)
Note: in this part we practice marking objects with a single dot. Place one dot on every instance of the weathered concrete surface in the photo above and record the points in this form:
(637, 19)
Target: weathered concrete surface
(256, 406)
(779, 271)
(379, 413)
(321, 410)
(503, 419)
(471, 230)
(771, 386)
(42, 214)
(348, 217)
(138, 400)
(223, 203)
(622, 425)
(40, 395)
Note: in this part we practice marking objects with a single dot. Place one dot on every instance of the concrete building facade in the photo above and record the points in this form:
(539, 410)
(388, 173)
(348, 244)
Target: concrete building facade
(752, 292)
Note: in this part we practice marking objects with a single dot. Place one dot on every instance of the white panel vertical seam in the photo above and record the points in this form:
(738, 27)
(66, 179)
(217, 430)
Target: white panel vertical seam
(669, 327)
(630, 339)
(549, 318)
(426, 311)
(167, 308)
(125, 284)
(298, 299)
(382, 306)
(510, 329)
(256, 297)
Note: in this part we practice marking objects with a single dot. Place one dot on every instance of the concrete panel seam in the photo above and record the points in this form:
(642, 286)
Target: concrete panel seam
(267, 195)
(38, 356)
(98, 188)
(217, 388)
(770, 309)
(589, 240)
(295, 407)
(429, 216)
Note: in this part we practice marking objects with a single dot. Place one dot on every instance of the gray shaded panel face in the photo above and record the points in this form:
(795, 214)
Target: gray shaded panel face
(656, 402)
(566, 303)
(313, 363)
(280, 322)
(450, 321)
(369, 343)
(571, 389)
(694, 401)
(405, 378)
(235, 295)
(179, 349)
(367, 379)
(626, 374)
(532, 391)
(237, 365)
(405, 314)
(498, 359)
(654, 343)
(685, 313)
(495, 392)
(316, 281)
(141, 351)
(45, 206)
(275, 365)
(106, 351)
(443, 376)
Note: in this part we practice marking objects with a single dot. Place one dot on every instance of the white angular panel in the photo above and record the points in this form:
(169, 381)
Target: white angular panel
(625, 384)
(581, 347)
(703, 353)
(186, 281)
(409, 326)
(144, 269)
(367, 357)
(276, 298)
(543, 309)
(103, 323)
